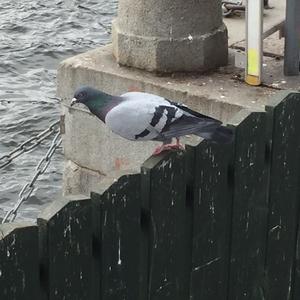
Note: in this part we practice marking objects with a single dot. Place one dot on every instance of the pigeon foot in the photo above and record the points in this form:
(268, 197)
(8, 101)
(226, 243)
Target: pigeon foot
(168, 147)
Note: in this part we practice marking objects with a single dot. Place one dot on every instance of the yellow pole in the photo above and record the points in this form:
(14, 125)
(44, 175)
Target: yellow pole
(254, 41)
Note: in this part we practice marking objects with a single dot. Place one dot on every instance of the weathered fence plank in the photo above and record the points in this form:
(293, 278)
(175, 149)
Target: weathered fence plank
(119, 238)
(170, 221)
(66, 249)
(283, 197)
(211, 221)
(296, 281)
(19, 265)
(250, 207)
(145, 230)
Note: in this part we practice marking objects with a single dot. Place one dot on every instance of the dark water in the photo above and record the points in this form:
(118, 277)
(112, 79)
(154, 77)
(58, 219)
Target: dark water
(35, 35)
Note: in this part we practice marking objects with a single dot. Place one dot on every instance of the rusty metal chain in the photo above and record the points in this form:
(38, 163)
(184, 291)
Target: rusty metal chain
(30, 186)
(28, 145)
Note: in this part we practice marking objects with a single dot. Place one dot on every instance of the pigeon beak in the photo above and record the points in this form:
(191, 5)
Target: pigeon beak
(74, 100)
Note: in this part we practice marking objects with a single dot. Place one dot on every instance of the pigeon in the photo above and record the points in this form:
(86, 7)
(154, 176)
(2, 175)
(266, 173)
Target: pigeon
(139, 116)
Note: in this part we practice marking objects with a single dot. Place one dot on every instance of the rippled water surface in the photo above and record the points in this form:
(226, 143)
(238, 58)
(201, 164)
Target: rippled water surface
(35, 35)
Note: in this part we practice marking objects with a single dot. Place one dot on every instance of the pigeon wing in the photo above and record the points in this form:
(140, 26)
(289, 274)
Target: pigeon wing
(142, 117)
(189, 111)
(188, 124)
(192, 122)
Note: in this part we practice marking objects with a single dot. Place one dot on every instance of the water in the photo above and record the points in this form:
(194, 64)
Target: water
(35, 35)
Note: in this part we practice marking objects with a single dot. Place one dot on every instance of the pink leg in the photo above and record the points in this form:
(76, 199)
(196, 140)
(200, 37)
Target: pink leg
(166, 147)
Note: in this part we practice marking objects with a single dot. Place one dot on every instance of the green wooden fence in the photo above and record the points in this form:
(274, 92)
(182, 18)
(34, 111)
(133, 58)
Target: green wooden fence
(216, 222)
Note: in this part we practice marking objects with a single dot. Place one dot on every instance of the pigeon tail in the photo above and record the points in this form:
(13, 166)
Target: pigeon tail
(222, 135)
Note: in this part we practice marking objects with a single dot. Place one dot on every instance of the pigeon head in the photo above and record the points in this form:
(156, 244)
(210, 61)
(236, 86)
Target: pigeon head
(98, 102)
(86, 95)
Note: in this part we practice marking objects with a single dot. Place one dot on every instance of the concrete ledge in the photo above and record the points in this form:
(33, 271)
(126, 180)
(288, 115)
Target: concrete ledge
(218, 94)
(93, 152)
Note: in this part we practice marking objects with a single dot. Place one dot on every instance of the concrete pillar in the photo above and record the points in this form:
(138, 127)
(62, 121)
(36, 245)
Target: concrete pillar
(170, 35)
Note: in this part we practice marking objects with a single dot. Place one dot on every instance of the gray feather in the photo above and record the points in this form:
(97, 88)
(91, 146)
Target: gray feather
(189, 125)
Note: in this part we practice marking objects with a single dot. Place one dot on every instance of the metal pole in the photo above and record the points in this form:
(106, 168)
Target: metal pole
(292, 38)
(254, 41)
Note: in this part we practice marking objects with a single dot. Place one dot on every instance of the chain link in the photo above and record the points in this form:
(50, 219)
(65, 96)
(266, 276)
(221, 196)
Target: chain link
(28, 145)
(40, 169)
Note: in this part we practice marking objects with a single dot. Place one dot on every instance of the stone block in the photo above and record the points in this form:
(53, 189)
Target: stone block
(170, 35)
(198, 53)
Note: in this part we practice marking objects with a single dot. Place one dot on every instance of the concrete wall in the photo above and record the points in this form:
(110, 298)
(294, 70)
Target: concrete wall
(91, 150)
